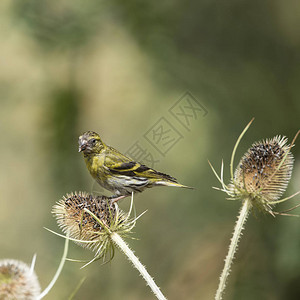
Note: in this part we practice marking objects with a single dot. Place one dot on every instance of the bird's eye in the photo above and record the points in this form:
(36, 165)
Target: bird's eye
(93, 141)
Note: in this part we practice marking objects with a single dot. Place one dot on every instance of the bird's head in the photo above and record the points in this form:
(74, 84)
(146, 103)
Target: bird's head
(90, 142)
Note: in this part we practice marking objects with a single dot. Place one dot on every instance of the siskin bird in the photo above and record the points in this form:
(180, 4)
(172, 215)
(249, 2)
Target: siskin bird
(116, 172)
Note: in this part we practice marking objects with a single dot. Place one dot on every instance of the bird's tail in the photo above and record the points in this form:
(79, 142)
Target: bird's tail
(171, 183)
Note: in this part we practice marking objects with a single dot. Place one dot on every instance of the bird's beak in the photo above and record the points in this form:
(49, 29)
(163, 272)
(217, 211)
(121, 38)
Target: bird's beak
(82, 146)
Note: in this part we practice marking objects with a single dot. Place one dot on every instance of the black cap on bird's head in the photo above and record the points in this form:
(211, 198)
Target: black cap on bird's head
(90, 142)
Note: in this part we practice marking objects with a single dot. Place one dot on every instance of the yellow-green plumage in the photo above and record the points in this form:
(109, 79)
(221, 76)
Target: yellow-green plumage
(116, 172)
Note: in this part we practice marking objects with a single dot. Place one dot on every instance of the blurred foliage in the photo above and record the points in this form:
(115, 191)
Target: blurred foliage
(63, 121)
(228, 51)
(63, 25)
(116, 68)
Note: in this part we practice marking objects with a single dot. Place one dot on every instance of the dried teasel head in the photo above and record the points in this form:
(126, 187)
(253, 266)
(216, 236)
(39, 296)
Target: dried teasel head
(264, 172)
(18, 281)
(90, 220)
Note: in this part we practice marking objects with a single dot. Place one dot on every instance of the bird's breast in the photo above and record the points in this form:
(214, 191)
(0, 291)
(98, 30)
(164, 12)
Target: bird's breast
(95, 164)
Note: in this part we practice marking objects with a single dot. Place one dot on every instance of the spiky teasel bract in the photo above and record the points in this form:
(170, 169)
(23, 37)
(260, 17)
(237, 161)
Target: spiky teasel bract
(262, 174)
(18, 281)
(90, 221)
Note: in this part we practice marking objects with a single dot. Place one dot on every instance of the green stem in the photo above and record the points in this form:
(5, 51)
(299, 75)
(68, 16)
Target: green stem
(137, 264)
(244, 212)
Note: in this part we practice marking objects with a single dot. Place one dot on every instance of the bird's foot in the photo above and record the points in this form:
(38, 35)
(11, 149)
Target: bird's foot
(116, 198)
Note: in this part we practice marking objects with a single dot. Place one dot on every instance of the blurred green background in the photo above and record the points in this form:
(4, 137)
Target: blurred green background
(117, 67)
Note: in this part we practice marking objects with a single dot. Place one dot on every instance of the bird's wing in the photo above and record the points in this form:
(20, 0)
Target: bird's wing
(120, 164)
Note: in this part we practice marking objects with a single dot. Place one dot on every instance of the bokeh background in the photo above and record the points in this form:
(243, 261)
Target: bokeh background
(117, 67)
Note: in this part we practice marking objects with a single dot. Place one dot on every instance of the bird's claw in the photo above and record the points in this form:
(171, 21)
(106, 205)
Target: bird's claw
(116, 199)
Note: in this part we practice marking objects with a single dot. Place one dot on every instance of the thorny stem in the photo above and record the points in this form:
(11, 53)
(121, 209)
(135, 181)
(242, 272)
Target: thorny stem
(137, 264)
(245, 210)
